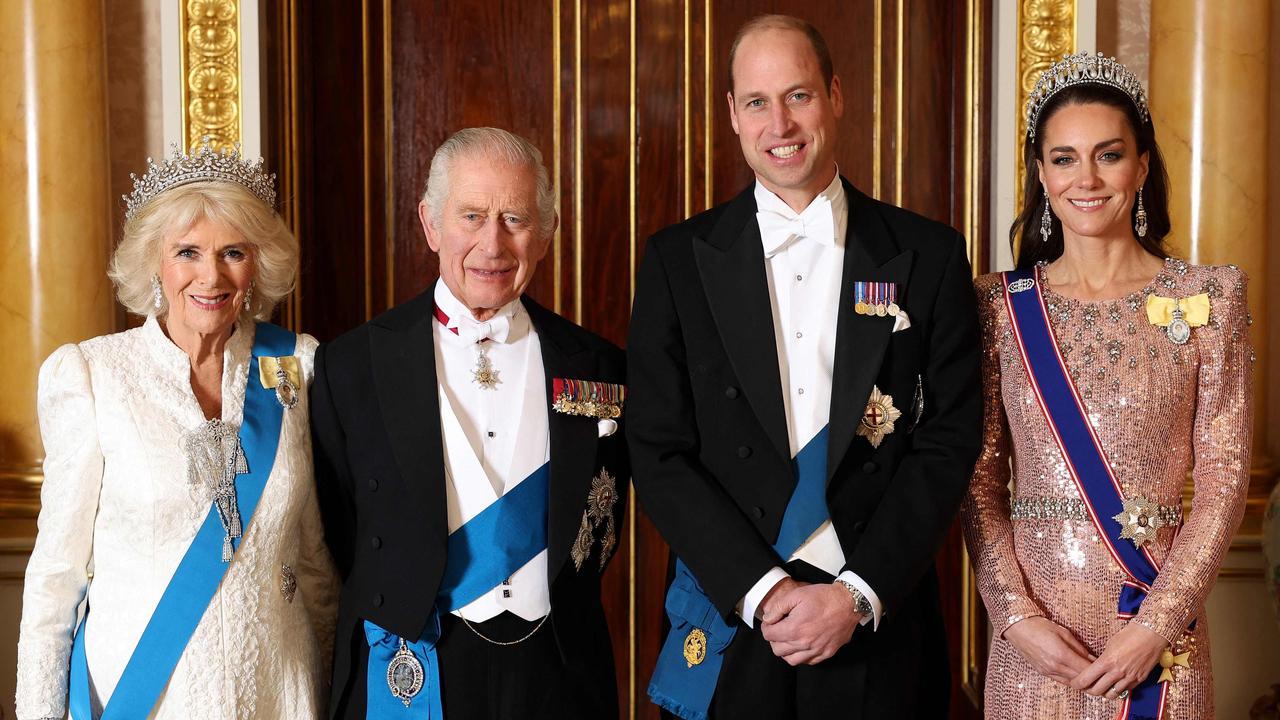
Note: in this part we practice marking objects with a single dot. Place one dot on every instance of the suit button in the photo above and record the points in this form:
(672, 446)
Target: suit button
(373, 484)
(869, 467)
(859, 526)
(376, 542)
(377, 599)
(731, 392)
(744, 452)
(757, 511)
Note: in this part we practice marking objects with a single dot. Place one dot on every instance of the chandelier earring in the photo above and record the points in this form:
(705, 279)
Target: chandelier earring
(157, 292)
(1046, 220)
(248, 296)
(1140, 218)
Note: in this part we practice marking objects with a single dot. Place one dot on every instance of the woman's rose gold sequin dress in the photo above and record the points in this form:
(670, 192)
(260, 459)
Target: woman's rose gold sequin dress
(1160, 410)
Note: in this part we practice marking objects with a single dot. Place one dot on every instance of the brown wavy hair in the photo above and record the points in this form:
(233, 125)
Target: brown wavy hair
(1024, 234)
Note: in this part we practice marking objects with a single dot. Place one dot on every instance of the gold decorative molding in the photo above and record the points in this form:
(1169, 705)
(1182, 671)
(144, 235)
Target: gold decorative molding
(211, 82)
(1046, 32)
(973, 626)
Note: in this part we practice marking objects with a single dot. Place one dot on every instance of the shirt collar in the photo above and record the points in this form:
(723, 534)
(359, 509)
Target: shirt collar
(457, 312)
(766, 200)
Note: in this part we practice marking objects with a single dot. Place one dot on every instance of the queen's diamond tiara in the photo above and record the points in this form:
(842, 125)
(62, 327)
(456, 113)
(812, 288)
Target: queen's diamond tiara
(1081, 69)
(204, 165)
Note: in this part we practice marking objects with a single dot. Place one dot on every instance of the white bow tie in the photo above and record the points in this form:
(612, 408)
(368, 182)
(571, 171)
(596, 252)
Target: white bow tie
(816, 223)
(495, 328)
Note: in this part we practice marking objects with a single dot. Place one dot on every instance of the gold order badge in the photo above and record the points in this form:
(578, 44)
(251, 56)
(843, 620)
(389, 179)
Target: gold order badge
(1168, 661)
(695, 647)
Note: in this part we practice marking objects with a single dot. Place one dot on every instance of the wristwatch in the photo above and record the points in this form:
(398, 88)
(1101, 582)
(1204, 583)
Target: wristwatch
(861, 604)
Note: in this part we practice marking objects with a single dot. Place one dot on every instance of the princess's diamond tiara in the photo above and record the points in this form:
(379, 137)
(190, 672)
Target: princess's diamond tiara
(206, 164)
(1080, 69)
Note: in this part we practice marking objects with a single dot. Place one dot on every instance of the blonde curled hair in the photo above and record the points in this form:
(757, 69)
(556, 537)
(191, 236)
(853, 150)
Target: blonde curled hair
(273, 248)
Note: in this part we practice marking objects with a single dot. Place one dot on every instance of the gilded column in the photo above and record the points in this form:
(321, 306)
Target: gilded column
(55, 212)
(1209, 99)
(211, 89)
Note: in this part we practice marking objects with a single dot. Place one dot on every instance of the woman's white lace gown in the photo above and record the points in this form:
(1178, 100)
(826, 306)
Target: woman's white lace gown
(117, 506)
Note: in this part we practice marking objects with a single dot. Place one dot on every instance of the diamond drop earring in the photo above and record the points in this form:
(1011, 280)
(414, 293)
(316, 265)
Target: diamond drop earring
(248, 296)
(157, 293)
(1140, 218)
(1046, 220)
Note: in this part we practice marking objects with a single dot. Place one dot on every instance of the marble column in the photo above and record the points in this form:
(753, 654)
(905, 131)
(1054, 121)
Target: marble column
(55, 212)
(1209, 97)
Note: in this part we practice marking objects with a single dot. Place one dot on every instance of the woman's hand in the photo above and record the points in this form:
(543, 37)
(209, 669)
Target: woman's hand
(1050, 648)
(1126, 661)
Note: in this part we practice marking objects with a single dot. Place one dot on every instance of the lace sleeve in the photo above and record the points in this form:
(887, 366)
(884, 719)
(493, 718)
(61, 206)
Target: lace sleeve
(317, 576)
(57, 574)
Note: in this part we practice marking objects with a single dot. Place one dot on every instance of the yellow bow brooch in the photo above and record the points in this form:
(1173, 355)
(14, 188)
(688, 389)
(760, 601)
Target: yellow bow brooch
(1178, 316)
(284, 375)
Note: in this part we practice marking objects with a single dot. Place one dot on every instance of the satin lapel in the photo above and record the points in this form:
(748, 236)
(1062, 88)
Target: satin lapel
(731, 264)
(861, 340)
(404, 373)
(573, 438)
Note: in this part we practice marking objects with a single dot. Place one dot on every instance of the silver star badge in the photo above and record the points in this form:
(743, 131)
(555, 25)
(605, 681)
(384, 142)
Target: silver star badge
(877, 420)
(1139, 521)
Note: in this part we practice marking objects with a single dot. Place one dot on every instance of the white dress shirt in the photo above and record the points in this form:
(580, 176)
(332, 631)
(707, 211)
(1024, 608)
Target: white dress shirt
(804, 258)
(493, 438)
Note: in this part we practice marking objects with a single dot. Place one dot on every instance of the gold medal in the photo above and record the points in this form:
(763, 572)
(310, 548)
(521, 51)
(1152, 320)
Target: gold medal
(877, 419)
(881, 310)
(695, 647)
(894, 309)
(860, 308)
(1168, 661)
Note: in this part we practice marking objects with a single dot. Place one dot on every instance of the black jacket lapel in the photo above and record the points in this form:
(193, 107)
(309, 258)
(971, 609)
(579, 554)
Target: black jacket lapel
(870, 254)
(573, 438)
(731, 264)
(404, 374)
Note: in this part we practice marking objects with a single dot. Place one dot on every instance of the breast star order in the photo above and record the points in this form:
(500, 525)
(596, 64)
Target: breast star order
(877, 419)
(1139, 520)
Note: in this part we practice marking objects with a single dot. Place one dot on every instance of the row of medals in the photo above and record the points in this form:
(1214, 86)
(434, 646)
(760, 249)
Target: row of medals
(878, 309)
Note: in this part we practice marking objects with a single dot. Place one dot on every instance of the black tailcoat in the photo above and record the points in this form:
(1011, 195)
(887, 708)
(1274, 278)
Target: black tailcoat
(380, 477)
(708, 433)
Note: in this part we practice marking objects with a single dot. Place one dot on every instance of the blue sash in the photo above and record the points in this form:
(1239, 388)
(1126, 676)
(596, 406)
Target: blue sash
(1086, 460)
(201, 570)
(684, 689)
(482, 553)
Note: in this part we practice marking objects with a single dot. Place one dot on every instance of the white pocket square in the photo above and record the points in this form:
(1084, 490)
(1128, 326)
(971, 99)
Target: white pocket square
(606, 427)
(902, 322)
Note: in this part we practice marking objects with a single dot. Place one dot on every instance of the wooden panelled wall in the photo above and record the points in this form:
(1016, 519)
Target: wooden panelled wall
(626, 100)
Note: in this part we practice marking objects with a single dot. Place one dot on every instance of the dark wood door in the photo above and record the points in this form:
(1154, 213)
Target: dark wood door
(626, 102)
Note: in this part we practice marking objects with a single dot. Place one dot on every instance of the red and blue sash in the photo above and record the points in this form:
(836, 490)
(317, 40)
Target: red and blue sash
(1086, 460)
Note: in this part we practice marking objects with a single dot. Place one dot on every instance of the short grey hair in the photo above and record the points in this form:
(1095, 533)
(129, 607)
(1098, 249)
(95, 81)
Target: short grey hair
(273, 248)
(495, 144)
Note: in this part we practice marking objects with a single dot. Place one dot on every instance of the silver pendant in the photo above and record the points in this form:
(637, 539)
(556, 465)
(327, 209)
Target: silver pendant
(286, 393)
(484, 375)
(1178, 330)
(214, 458)
(405, 674)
